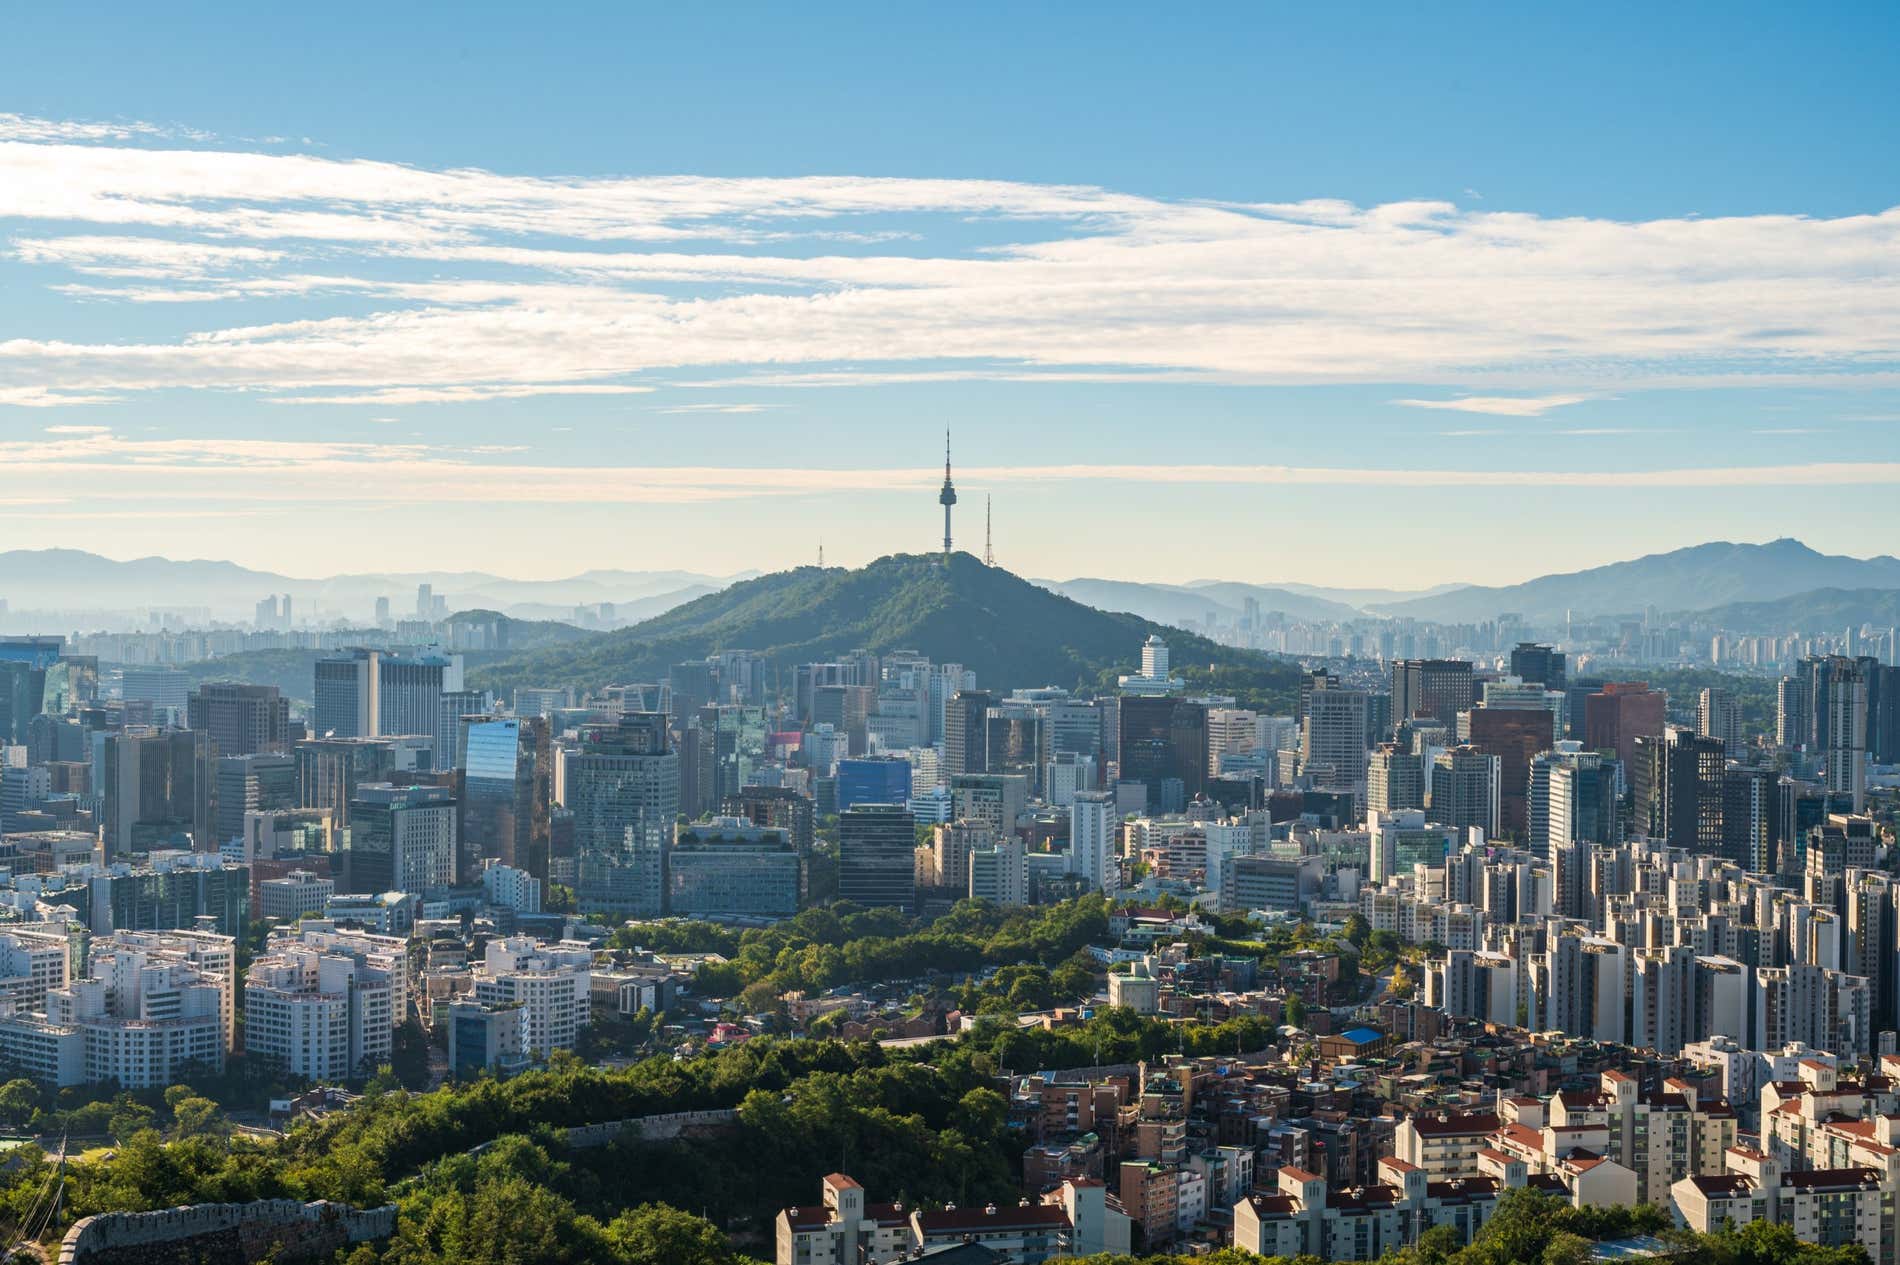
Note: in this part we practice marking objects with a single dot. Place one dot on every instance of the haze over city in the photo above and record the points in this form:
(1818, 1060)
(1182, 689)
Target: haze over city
(1217, 280)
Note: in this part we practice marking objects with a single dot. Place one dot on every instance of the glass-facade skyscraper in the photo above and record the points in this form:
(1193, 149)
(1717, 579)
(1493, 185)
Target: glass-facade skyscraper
(623, 787)
(505, 801)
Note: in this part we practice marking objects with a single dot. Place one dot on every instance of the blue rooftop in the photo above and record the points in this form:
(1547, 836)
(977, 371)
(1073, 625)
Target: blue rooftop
(1362, 1036)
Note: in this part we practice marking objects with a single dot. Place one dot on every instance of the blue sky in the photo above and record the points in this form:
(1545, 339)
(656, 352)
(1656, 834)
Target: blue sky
(1382, 296)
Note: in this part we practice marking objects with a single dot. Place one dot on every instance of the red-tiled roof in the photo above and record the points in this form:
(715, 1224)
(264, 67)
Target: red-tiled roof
(1364, 1197)
(1298, 1174)
(1522, 1135)
(1272, 1205)
(1723, 1185)
(817, 1216)
(1462, 1188)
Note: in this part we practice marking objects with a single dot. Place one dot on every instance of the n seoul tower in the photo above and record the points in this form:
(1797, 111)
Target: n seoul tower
(947, 497)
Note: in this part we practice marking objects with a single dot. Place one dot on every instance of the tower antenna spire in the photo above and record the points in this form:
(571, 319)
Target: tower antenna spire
(989, 554)
(947, 497)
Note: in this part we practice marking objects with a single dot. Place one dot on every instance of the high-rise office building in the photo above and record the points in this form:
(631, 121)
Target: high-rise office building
(1465, 790)
(506, 788)
(345, 702)
(165, 691)
(1572, 799)
(1333, 739)
(156, 792)
(240, 719)
(873, 780)
(1678, 791)
(402, 839)
(1163, 746)
(409, 699)
(1515, 736)
(1437, 689)
(453, 709)
(24, 662)
(1395, 779)
(1537, 664)
(965, 733)
(876, 855)
(623, 786)
(1619, 713)
(728, 867)
(260, 782)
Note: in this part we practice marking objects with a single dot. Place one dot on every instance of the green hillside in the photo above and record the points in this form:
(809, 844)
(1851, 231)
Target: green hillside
(1009, 631)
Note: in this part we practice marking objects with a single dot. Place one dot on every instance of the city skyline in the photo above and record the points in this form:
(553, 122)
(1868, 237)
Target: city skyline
(711, 338)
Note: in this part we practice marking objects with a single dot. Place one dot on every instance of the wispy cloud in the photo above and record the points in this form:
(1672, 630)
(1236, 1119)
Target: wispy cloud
(226, 471)
(718, 408)
(78, 430)
(1500, 405)
(22, 127)
(460, 394)
(48, 397)
(411, 285)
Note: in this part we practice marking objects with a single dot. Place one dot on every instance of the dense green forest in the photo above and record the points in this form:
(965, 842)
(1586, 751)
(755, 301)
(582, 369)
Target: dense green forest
(959, 612)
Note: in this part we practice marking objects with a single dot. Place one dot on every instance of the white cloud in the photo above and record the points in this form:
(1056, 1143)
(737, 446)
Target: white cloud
(47, 397)
(79, 430)
(408, 285)
(1500, 405)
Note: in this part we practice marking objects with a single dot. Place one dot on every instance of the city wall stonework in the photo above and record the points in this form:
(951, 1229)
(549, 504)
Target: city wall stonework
(284, 1230)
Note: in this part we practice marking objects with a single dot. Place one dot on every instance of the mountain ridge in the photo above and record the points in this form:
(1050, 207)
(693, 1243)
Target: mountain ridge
(1010, 631)
(1694, 578)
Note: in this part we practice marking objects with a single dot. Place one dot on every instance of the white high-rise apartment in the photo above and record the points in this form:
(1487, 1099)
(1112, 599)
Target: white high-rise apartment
(324, 1003)
(550, 982)
(152, 1004)
(1092, 823)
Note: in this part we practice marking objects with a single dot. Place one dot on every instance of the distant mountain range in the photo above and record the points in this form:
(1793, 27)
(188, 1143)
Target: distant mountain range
(1683, 580)
(1010, 631)
(1190, 605)
(73, 580)
(1779, 586)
